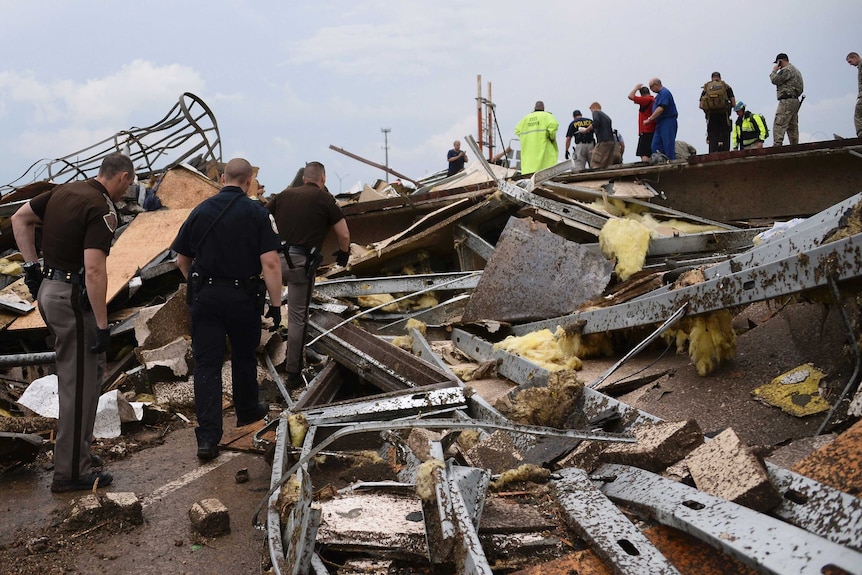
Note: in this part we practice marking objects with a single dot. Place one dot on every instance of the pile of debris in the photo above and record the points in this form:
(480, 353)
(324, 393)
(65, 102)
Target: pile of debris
(447, 423)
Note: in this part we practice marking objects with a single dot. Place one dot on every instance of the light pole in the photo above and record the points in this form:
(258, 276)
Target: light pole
(339, 180)
(386, 149)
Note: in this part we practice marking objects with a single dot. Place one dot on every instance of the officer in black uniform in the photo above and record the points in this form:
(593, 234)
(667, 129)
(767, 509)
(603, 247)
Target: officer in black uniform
(223, 247)
(78, 222)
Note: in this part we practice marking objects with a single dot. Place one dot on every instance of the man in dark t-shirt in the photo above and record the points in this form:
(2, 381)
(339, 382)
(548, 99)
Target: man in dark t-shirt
(456, 157)
(304, 216)
(78, 223)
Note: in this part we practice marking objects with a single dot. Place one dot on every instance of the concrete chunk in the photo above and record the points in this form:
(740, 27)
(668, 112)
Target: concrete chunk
(725, 467)
(497, 452)
(210, 518)
(174, 355)
(658, 445)
(84, 510)
(124, 504)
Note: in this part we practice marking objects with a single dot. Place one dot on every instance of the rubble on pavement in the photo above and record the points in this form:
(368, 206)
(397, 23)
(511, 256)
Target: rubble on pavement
(477, 444)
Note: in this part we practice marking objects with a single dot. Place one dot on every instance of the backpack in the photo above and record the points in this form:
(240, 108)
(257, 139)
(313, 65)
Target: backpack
(765, 125)
(714, 96)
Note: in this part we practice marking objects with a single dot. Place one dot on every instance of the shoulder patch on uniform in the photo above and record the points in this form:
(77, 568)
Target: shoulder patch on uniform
(110, 218)
(273, 224)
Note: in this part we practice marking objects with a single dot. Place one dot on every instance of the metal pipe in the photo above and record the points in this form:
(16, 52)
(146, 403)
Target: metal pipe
(20, 359)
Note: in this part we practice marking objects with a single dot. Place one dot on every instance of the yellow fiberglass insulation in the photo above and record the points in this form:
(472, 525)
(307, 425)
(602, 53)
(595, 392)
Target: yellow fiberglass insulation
(403, 341)
(420, 325)
(376, 300)
(425, 479)
(710, 337)
(587, 345)
(551, 405)
(297, 426)
(542, 348)
(625, 241)
(526, 472)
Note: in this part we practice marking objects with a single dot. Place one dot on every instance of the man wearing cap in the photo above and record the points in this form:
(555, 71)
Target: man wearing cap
(584, 141)
(749, 131)
(538, 134)
(788, 89)
(854, 60)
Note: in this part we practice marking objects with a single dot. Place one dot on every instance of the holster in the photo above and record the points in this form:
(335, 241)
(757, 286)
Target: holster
(312, 262)
(192, 287)
(258, 291)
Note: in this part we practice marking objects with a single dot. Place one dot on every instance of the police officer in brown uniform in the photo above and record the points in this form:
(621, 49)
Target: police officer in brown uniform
(304, 216)
(78, 221)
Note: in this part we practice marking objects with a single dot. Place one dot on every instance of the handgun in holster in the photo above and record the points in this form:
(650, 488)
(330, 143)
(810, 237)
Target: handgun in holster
(312, 262)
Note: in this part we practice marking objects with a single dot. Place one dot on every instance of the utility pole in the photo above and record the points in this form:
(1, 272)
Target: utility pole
(339, 179)
(386, 149)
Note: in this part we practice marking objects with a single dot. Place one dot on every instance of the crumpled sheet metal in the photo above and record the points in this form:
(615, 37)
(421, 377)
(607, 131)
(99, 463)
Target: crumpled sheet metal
(535, 274)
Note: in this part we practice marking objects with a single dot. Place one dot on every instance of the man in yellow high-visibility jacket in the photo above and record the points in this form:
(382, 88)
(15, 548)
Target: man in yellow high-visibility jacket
(749, 131)
(538, 134)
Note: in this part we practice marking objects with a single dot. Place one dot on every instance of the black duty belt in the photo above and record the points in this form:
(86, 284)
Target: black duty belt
(788, 97)
(227, 282)
(63, 276)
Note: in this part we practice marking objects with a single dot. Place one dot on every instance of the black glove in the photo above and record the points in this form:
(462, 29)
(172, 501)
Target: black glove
(274, 313)
(567, 154)
(33, 278)
(103, 339)
(341, 257)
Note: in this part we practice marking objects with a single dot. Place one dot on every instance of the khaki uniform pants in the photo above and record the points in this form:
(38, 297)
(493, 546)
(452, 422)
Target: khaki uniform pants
(79, 375)
(786, 122)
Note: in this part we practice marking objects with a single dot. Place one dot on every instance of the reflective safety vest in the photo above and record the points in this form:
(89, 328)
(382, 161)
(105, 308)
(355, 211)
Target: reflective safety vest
(538, 134)
(748, 129)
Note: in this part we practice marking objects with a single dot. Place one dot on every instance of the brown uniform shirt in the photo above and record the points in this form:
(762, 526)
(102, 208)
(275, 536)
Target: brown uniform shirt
(304, 215)
(75, 216)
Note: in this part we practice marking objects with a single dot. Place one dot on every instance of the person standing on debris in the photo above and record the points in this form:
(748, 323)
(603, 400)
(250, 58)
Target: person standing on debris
(304, 215)
(749, 131)
(223, 246)
(716, 101)
(788, 90)
(640, 95)
(78, 222)
(664, 115)
(604, 153)
(584, 141)
(854, 60)
(456, 158)
(538, 134)
(619, 147)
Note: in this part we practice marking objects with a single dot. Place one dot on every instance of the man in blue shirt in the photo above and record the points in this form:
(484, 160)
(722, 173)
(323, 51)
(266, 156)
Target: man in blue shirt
(664, 115)
(456, 158)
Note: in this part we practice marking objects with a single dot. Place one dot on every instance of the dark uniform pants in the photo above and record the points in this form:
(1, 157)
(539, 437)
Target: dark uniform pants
(298, 286)
(218, 312)
(79, 376)
(718, 132)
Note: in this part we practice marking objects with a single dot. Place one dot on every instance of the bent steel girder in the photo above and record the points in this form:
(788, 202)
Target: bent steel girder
(189, 128)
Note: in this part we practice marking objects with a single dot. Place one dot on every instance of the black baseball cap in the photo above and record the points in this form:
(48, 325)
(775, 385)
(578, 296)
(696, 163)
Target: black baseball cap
(781, 56)
(577, 113)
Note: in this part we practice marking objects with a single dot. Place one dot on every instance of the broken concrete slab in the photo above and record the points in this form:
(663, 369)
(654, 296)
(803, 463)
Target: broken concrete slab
(497, 452)
(123, 504)
(658, 446)
(726, 468)
(159, 325)
(536, 274)
(210, 517)
(171, 359)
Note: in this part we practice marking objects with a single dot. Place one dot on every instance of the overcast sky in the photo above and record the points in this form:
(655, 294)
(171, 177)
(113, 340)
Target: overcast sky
(286, 79)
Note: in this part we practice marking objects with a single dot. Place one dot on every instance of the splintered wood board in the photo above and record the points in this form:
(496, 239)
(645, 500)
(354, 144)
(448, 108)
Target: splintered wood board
(149, 234)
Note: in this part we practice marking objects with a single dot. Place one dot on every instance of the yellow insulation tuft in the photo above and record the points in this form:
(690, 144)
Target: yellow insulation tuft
(627, 242)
